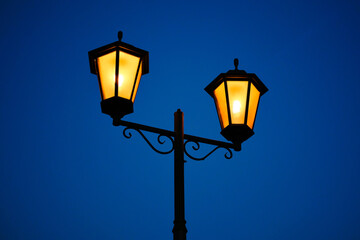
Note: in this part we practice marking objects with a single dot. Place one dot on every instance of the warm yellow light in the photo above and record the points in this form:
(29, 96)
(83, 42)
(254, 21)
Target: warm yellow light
(106, 66)
(221, 105)
(253, 103)
(128, 68)
(120, 80)
(237, 96)
(236, 106)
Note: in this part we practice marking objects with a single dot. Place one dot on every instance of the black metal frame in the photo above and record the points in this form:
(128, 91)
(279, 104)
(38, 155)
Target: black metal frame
(188, 139)
(179, 141)
(117, 46)
(236, 133)
(116, 106)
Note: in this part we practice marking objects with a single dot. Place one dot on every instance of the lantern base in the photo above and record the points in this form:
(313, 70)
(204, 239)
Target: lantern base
(117, 108)
(237, 133)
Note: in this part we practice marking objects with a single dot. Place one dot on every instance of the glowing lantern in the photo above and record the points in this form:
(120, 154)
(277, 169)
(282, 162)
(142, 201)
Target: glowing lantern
(119, 67)
(236, 95)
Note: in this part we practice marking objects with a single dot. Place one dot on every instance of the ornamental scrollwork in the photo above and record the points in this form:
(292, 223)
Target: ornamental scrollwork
(162, 139)
(196, 147)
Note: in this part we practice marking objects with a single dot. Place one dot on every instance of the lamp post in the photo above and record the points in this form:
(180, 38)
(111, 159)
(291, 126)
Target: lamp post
(119, 67)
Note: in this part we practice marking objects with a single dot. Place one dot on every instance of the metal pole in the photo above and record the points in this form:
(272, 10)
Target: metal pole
(179, 229)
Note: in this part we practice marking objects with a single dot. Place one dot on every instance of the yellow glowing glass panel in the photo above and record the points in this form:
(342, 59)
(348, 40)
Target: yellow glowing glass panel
(106, 68)
(128, 66)
(253, 103)
(221, 105)
(237, 91)
(137, 82)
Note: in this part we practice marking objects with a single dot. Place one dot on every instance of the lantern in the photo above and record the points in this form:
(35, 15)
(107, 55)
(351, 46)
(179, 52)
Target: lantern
(119, 67)
(236, 95)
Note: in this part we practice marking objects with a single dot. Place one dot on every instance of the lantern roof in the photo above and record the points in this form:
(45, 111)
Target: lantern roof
(119, 45)
(236, 75)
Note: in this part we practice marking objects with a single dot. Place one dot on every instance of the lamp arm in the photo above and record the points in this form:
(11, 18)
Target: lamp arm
(196, 147)
(221, 144)
(139, 128)
(171, 136)
(147, 128)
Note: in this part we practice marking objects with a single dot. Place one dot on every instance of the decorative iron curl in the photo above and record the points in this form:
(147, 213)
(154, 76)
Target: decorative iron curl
(160, 139)
(196, 147)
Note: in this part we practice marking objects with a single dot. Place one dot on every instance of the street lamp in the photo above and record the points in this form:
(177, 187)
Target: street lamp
(236, 95)
(119, 67)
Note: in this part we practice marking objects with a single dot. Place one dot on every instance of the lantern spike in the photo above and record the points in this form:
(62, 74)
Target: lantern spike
(120, 35)
(236, 63)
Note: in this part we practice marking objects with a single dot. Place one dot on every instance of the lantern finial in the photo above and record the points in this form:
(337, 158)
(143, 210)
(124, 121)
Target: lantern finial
(120, 35)
(236, 63)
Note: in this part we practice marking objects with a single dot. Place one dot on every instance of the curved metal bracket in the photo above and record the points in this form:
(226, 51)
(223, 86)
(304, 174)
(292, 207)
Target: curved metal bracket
(196, 147)
(164, 134)
(160, 139)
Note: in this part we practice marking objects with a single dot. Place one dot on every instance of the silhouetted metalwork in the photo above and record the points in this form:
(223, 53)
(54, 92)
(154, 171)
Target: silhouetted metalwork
(178, 141)
(108, 63)
(196, 147)
(236, 95)
(163, 135)
(128, 135)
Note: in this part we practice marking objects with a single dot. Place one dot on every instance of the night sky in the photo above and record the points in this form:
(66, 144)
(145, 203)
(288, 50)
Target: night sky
(67, 173)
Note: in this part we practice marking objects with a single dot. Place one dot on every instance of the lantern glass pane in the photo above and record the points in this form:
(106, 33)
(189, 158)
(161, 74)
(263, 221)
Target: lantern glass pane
(253, 104)
(106, 69)
(137, 82)
(221, 105)
(237, 91)
(128, 66)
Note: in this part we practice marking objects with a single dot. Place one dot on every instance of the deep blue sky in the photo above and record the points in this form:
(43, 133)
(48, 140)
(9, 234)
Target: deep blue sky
(67, 173)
